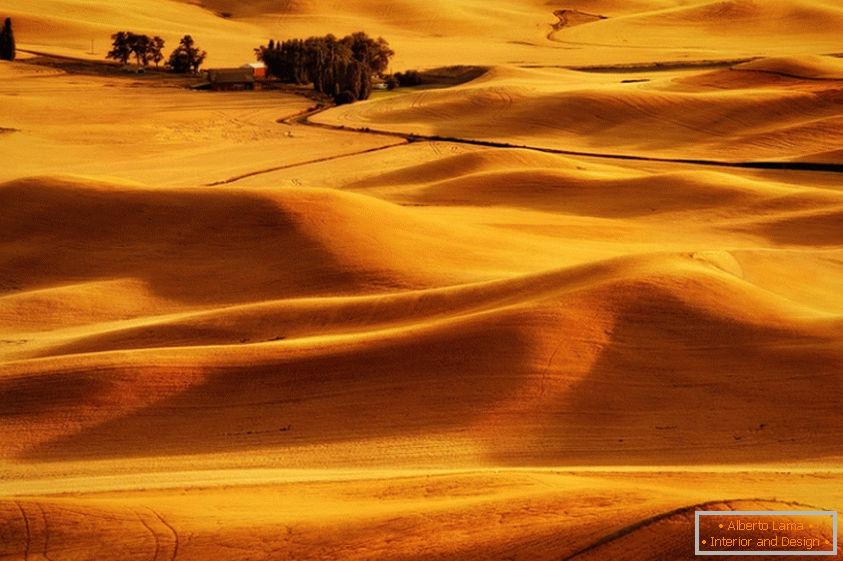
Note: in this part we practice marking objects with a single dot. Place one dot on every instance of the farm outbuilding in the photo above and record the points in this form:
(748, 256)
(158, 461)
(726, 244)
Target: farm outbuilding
(227, 79)
(258, 69)
(246, 77)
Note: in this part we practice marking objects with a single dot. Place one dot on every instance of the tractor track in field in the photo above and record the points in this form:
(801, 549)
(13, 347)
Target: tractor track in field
(303, 118)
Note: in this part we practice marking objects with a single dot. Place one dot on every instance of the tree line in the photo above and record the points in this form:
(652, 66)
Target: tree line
(8, 50)
(187, 57)
(342, 69)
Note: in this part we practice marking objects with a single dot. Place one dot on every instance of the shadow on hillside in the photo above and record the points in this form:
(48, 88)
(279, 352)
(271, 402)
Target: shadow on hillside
(419, 385)
(677, 385)
(199, 247)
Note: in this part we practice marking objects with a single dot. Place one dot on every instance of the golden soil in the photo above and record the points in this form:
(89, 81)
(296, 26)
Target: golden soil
(508, 319)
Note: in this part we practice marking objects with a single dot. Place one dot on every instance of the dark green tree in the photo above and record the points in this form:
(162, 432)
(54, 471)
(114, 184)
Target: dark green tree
(186, 57)
(140, 46)
(408, 79)
(373, 53)
(121, 50)
(8, 50)
(156, 50)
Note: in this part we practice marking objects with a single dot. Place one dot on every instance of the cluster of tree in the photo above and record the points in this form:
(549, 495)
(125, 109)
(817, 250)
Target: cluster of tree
(185, 58)
(340, 68)
(408, 79)
(144, 48)
(403, 79)
(7, 41)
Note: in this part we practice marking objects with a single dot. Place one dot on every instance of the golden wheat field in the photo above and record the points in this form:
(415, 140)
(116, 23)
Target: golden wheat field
(546, 308)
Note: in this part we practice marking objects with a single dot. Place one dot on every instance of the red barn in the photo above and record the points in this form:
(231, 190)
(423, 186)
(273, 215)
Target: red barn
(259, 70)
